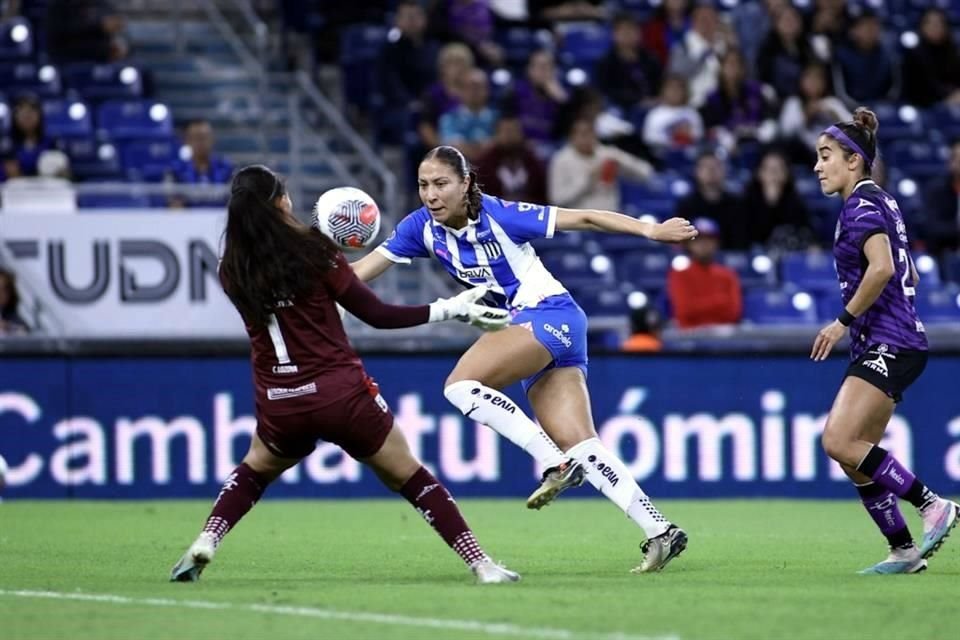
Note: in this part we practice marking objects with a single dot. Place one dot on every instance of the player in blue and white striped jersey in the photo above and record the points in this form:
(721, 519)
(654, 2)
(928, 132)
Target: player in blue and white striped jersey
(480, 239)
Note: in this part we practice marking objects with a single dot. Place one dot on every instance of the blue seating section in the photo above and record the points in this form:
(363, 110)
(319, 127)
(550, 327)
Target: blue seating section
(132, 119)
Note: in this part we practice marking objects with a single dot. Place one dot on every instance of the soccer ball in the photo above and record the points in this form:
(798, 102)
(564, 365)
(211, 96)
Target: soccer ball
(347, 215)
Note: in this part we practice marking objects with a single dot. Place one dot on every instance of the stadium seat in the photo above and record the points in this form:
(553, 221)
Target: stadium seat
(103, 81)
(518, 43)
(360, 45)
(945, 119)
(919, 159)
(16, 39)
(583, 43)
(566, 265)
(133, 119)
(91, 160)
(67, 119)
(148, 160)
(899, 122)
(753, 269)
(42, 81)
(5, 116)
(601, 301)
(811, 271)
(647, 271)
(952, 267)
(939, 305)
(928, 269)
(784, 307)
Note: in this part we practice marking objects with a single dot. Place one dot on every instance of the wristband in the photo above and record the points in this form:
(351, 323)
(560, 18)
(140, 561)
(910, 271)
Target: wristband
(846, 318)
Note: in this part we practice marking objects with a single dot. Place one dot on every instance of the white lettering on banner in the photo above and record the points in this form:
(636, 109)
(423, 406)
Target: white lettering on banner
(808, 429)
(414, 424)
(773, 458)
(125, 274)
(226, 429)
(322, 471)
(486, 459)
(709, 432)
(951, 460)
(92, 447)
(28, 470)
(645, 437)
(161, 433)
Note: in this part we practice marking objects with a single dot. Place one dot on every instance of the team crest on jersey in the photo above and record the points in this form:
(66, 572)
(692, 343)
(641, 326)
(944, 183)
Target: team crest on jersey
(879, 364)
(491, 249)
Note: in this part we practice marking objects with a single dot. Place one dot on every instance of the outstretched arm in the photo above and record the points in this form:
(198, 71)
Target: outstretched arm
(672, 230)
(371, 266)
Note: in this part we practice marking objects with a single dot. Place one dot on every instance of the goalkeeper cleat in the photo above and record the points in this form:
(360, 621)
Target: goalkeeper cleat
(489, 572)
(555, 481)
(658, 551)
(900, 560)
(938, 520)
(195, 560)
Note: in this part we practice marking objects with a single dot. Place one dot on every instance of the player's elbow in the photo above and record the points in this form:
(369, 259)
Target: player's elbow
(883, 271)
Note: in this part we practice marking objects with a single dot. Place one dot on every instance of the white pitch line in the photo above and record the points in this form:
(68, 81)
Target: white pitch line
(388, 619)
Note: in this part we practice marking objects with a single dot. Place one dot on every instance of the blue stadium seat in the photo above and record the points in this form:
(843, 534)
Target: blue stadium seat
(647, 270)
(939, 305)
(952, 267)
(133, 119)
(928, 269)
(946, 120)
(601, 301)
(918, 158)
(16, 39)
(897, 123)
(828, 304)
(575, 266)
(583, 43)
(812, 271)
(148, 160)
(91, 160)
(103, 81)
(753, 269)
(42, 81)
(5, 116)
(779, 307)
(67, 119)
(518, 43)
(360, 45)
(112, 201)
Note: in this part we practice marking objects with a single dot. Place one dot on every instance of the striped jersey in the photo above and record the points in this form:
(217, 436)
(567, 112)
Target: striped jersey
(493, 250)
(892, 319)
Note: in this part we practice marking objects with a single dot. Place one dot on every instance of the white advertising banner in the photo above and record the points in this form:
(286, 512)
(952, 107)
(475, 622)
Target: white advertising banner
(125, 275)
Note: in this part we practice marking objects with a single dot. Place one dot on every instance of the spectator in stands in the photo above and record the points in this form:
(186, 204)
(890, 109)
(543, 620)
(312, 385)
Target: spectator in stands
(941, 228)
(829, 19)
(864, 70)
(672, 123)
(711, 198)
(627, 75)
(751, 25)
(646, 323)
(702, 292)
(697, 56)
(550, 11)
(85, 31)
(10, 321)
(9, 8)
(587, 103)
(931, 70)
(738, 109)
(510, 169)
(784, 53)
(27, 141)
(408, 60)
(583, 174)
(469, 21)
(666, 28)
(201, 165)
(537, 98)
(777, 216)
(805, 115)
(470, 126)
(453, 65)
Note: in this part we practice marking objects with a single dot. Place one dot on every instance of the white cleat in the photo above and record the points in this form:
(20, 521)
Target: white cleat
(939, 519)
(195, 560)
(657, 552)
(489, 572)
(908, 560)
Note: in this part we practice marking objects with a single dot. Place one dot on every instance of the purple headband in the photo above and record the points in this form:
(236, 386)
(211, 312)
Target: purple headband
(837, 134)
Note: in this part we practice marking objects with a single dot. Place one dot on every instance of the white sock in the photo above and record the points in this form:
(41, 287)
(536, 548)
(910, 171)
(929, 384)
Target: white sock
(612, 478)
(490, 407)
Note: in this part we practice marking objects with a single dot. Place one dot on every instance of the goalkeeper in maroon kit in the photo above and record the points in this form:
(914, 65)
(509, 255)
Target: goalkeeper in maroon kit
(286, 279)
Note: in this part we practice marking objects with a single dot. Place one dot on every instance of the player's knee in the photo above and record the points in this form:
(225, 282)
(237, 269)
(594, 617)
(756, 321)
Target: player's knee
(835, 445)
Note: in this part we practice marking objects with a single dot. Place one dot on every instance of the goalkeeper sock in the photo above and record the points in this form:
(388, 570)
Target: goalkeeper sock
(241, 490)
(490, 407)
(612, 478)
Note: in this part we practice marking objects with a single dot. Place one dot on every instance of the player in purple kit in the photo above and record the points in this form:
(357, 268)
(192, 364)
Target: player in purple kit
(888, 344)
(285, 280)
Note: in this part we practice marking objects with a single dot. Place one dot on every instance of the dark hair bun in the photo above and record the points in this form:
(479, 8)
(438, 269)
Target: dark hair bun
(866, 119)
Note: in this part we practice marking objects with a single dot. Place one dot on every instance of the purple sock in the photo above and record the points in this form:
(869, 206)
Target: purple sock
(887, 471)
(882, 506)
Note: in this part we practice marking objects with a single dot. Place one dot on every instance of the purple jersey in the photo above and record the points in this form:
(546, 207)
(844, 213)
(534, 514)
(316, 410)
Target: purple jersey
(892, 319)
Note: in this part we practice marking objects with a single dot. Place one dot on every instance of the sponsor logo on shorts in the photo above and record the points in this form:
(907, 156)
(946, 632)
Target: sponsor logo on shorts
(526, 325)
(381, 403)
(280, 393)
(285, 368)
(559, 334)
(879, 364)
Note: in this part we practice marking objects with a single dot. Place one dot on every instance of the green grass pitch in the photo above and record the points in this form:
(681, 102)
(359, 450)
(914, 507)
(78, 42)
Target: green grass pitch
(374, 569)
